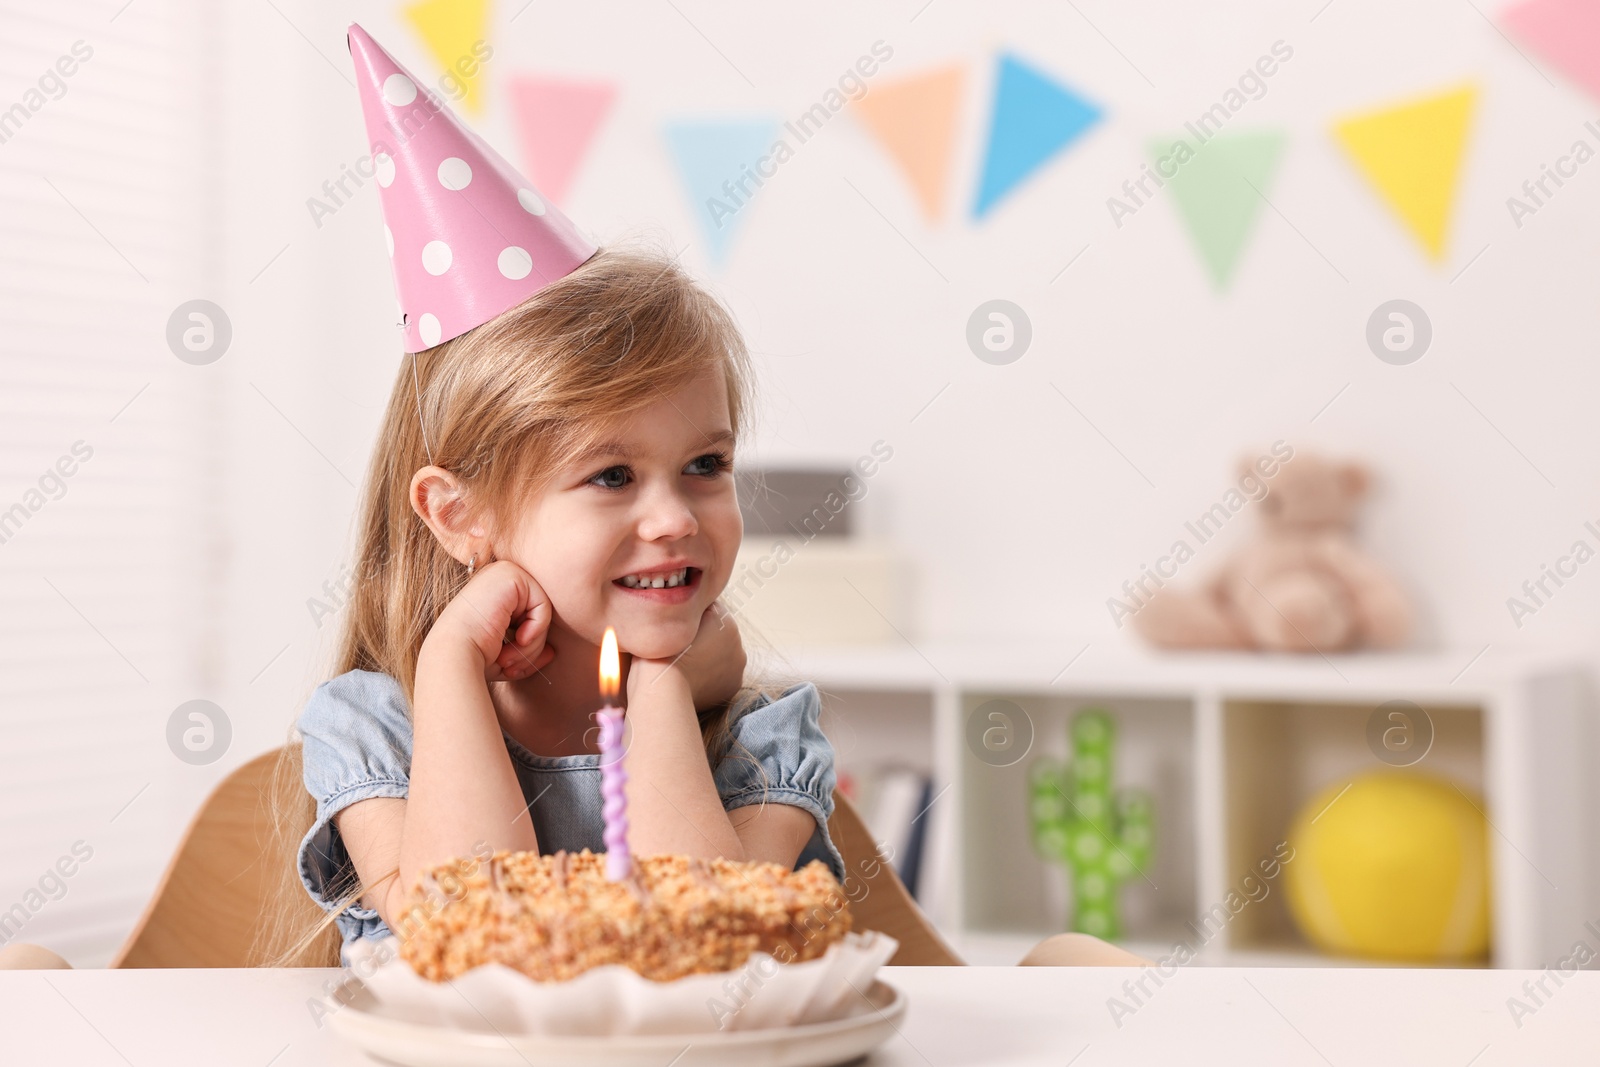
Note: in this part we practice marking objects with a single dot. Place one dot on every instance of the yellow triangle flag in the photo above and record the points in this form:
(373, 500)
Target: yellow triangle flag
(914, 119)
(1412, 156)
(455, 32)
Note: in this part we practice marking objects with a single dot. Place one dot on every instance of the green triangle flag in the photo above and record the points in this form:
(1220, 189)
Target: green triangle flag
(1216, 190)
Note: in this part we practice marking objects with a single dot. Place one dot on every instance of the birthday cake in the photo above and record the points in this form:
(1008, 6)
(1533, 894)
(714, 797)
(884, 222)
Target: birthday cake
(554, 917)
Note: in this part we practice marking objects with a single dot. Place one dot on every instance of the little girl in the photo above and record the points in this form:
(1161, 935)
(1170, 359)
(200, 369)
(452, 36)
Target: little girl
(555, 458)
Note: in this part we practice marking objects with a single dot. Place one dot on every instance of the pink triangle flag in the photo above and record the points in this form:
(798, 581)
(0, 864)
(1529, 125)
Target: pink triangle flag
(556, 121)
(1565, 32)
(469, 238)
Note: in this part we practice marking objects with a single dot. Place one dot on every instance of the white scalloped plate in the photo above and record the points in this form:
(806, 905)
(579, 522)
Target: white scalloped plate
(868, 1025)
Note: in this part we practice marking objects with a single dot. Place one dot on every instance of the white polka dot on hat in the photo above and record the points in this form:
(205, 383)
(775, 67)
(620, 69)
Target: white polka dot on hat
(468, 237)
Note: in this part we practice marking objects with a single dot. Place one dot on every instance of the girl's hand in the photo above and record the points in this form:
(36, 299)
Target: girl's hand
(713, 664)
(503, 614)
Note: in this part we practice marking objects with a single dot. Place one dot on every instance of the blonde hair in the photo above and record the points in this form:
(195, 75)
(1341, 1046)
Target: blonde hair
(498, 407)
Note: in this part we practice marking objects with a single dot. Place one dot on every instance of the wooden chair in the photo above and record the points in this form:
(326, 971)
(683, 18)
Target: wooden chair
(232, 874)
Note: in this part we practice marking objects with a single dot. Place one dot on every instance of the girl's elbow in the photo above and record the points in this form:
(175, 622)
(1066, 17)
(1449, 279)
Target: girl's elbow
(773, 833)
(400, 911)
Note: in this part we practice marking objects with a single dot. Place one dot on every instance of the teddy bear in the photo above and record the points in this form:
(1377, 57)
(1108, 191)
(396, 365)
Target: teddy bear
(1299, 585)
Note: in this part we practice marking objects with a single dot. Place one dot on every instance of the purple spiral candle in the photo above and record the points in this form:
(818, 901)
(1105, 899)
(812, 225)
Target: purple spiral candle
(614, 801)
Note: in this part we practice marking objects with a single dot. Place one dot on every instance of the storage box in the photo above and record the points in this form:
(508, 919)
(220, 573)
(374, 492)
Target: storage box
(825, 591)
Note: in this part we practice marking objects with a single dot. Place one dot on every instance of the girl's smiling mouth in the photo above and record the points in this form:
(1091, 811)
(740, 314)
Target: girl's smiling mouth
(674, 585)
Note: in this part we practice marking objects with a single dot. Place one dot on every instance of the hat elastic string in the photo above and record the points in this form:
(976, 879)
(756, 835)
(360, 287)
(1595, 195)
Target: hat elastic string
(420, 424)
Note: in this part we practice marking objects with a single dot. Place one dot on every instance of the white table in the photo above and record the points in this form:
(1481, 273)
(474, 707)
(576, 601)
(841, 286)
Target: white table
(956, 1015)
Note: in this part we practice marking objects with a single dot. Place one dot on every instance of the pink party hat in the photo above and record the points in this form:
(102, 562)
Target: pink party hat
(468, 236)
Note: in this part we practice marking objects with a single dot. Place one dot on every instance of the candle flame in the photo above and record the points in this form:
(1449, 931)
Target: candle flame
(610, 665)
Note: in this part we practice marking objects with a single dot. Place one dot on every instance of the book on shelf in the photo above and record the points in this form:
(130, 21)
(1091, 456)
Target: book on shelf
(894, 803)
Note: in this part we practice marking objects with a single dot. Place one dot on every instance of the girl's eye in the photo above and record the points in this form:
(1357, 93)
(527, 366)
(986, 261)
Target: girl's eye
(711, 464)
(611, 478)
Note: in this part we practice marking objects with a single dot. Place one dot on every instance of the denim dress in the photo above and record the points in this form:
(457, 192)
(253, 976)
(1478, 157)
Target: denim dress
(356, 731)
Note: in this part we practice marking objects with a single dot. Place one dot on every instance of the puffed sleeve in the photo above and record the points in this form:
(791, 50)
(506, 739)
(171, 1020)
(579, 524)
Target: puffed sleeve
(357, 745)
(784, 738)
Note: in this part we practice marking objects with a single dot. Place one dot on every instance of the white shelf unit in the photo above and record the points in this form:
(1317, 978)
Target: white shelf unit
(1231, 746)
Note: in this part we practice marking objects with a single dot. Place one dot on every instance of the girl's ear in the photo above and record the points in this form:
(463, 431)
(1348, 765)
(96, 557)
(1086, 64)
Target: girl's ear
(440, 501)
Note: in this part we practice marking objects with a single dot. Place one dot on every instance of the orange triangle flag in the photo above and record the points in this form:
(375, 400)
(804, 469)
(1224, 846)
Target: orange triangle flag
(914, 119)
(1412, 156)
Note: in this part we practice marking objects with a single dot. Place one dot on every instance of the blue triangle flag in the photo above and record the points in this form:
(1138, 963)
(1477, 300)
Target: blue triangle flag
(1034, 118)
(716, 161)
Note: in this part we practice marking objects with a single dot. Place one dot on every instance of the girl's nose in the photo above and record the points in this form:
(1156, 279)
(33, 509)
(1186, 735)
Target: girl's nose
(666, 515)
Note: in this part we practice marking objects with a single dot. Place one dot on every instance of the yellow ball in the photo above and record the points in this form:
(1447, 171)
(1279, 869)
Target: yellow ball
(1397, 868)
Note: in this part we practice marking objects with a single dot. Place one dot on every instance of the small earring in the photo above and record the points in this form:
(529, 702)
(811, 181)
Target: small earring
(472, 564)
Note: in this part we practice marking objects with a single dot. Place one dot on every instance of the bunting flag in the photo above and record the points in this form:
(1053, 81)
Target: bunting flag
(556, 121)
(1564, 32)
(914, 120)
(1411, 153)
(1216, 191)
(455, 32)
(1034, 118)
(720, 163)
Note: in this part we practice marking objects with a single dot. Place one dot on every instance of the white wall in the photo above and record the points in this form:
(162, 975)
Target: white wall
(1020, 516)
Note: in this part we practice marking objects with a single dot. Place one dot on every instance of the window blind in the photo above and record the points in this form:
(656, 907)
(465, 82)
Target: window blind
(105, 470)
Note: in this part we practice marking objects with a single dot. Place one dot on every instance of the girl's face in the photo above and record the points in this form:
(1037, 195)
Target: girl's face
(639, 532)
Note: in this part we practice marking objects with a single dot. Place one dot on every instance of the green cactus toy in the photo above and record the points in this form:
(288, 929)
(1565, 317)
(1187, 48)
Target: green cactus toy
(1103, 838)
